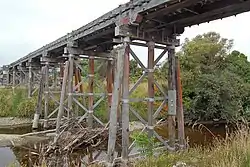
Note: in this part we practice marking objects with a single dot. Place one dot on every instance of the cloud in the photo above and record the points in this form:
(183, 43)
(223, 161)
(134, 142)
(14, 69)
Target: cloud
(27, 25)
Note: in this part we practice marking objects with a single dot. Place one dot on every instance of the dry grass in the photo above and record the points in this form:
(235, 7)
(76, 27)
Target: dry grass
(234, 151)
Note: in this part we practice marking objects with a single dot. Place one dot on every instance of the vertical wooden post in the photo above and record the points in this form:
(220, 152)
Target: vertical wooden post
(171, 95)
(80, 80)
(14, 80)
(180, 114)
(109, 84)
(39, 101)
(61, 66)
(76, 83)
(8, 77)
(91, 90)
(125, 103)
(61, 105)
(54, 77)
(70, 85)
(46, 95)
(22, 75)
(81, 86)
(30, 82)
(151, 46)
(76, 78)
(115, 66)
(114, 105)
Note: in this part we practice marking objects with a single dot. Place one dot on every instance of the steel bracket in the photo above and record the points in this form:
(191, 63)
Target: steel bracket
(172, 102)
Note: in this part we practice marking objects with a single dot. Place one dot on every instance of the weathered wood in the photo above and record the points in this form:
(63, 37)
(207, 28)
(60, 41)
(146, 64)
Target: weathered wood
(180, 115)
(114, 105)
(54, 78)
(150, 87)
(145, 45)
(14, 80)
(70, 85)
(8, 77)
(46, 96)
(125, 102)
(61, 106)
(80, 80)
(39, 101)
(91, 90)
(76, 90)
(171, 93)
(76, 79)
(109, 84)
(30, 82)
(61, 66)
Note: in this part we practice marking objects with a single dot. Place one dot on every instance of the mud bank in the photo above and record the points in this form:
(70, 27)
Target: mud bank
(11, 140)
(13, 122)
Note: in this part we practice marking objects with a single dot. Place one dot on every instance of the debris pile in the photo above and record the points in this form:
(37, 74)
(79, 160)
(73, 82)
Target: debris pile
(75, 141)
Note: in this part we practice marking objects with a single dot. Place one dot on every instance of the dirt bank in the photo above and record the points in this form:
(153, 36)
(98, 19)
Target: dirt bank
(8, 140)
(14, 122)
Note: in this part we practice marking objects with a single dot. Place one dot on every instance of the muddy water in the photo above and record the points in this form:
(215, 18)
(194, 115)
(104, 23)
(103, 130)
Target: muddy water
(195, 136)
(7, 155)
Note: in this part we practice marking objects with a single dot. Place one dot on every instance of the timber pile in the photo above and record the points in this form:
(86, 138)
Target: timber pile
(76, 140)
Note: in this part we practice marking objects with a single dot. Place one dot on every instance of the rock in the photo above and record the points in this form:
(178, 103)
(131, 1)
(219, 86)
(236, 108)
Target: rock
(181, 164)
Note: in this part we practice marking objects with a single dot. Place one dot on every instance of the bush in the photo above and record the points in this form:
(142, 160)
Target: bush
(26, 108)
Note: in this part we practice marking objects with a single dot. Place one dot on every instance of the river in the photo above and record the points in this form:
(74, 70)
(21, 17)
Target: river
(195, 136)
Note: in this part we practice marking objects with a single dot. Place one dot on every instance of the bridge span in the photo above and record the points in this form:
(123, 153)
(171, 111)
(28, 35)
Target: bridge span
(155, 24)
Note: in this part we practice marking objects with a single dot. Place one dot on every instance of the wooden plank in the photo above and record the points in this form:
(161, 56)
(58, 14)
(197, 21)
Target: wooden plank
(46, 95)
(114, 106)
(76, 89)
(151, 47)
(39, 101)
(180, 115)
(109, 84)
(137, 59)
(172, 8)
(171, 101)
(70, 85)
(125, 102)
(137, 83)
(14, 80)
(61, 106)
(160, 56)
(91, 90)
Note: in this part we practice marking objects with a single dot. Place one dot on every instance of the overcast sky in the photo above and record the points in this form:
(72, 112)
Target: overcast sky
(26, 25)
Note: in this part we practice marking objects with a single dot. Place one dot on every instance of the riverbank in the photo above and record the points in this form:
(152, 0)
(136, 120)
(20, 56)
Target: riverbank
(233, 151)
(14, 122)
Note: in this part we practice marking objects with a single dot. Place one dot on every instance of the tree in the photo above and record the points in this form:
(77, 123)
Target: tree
(214, 79)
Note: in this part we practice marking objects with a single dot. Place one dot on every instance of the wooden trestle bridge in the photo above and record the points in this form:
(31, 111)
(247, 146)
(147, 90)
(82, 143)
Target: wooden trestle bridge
(146, 23)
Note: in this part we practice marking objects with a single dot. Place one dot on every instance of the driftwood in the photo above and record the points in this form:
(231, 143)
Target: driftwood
(75, 141)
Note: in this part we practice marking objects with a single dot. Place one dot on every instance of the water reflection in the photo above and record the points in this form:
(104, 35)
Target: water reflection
(7, 157)
(196, 136)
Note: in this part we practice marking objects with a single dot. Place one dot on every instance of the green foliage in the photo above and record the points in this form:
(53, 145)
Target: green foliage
(134, 70)
(5, 101)
(214, 79)
(26, 108)
(144, 143)
(215, 83)
(11, 102)
(18, 105)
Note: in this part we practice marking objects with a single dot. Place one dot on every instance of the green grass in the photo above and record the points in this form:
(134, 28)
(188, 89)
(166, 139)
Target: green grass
(17, 104)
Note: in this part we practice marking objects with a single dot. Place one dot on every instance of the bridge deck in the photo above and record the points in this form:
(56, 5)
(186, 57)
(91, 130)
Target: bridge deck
(156, 15)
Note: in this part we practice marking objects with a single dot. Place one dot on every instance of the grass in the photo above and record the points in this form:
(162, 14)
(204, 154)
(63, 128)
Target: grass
(17, 104)
(234, 151)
